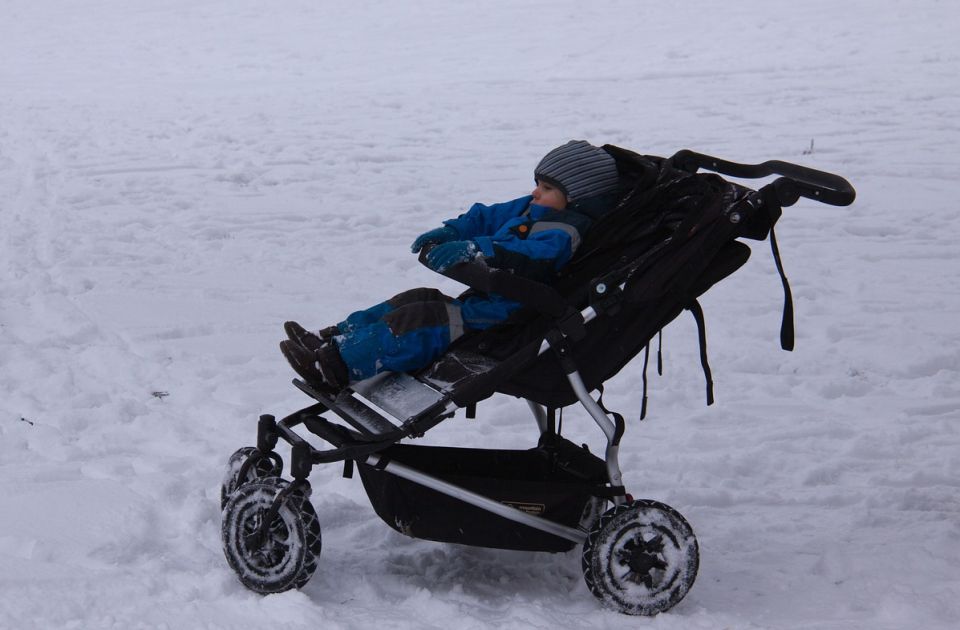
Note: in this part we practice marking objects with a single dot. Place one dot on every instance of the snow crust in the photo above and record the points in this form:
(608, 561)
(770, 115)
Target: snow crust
(179, 178)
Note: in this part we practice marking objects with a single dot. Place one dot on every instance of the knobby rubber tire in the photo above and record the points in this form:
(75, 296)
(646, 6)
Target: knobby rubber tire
(262, 466)
(288, 556)
(641, 558)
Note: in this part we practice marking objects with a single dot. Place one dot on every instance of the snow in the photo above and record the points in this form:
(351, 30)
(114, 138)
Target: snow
(179, 178)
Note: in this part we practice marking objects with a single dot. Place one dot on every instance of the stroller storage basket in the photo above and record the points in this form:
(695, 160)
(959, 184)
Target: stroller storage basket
(556, 481)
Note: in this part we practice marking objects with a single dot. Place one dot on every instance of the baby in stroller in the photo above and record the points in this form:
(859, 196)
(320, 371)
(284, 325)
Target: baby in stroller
(533, 237)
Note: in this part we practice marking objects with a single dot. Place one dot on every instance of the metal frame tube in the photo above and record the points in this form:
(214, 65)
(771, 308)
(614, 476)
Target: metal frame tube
(606, 425)
(540, 414)
(588, 314)
(594, 409)
(580, 389)
(480, 501)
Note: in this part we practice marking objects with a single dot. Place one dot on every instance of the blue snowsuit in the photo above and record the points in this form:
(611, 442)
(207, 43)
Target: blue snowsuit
(413, 328)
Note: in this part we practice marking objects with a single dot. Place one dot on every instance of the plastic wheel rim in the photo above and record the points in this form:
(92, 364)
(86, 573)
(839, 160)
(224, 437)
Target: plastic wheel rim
(641, 558)
(640, 555)
(287, 555)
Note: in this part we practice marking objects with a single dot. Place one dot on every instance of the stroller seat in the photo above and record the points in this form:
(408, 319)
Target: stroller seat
(673, 234)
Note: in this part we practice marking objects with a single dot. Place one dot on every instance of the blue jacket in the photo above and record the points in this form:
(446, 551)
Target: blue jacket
(530, 240)
(412, 329)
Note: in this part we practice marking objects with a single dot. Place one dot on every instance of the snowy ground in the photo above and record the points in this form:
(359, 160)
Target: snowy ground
(178, 178)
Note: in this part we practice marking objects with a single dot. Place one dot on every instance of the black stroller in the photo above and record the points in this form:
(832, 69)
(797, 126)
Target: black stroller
(673, 234)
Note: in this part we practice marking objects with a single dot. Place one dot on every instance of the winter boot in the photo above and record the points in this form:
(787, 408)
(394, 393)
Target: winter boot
(307, 339)
(321, 366)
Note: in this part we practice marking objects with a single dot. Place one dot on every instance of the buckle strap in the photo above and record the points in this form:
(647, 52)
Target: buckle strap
(771, 203)
(786, 324)
(695, 308)
(643, 403)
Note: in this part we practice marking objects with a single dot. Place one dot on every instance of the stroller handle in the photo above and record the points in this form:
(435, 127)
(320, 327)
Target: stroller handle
(796, 181)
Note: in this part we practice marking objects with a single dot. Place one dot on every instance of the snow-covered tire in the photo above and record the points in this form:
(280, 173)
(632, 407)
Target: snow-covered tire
(261, 466)
(288, 557)
(641, 558)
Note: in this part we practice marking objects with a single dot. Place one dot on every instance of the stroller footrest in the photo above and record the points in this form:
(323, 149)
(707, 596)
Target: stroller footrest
(365, 419)
(388, 406)
(396, 395)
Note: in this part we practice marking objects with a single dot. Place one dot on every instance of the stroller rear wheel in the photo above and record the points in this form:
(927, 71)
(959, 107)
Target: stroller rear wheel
(284, 554)
(245, 465)
(641, 558)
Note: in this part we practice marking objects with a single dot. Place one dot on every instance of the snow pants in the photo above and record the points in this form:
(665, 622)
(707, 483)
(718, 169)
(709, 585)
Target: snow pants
(412, 329)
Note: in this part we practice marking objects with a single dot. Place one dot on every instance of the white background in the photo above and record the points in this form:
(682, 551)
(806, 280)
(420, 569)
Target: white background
(178, 178)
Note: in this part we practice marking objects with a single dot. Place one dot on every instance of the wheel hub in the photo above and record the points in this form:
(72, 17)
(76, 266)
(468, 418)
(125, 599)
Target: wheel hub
(643, 558)
(266, 545)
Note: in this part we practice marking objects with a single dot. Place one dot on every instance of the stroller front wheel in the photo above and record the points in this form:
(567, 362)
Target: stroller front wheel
(245, 465)
(280, 556)
(641, 558)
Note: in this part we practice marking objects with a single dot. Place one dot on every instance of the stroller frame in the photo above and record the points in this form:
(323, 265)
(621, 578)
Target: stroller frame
(374, 415)
(383, 428)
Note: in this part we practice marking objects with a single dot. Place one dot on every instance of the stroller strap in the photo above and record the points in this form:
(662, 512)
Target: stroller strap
(773, 207)
(697, 311)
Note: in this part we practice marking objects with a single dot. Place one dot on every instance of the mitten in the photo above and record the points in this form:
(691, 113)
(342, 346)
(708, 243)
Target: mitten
(439, 235)
(445, 255)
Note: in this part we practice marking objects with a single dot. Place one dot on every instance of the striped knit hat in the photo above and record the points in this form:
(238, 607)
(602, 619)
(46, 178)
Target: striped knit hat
(579, 169)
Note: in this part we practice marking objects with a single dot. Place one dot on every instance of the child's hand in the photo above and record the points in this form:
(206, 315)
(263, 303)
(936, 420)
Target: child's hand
(439, 235)
(445, 255)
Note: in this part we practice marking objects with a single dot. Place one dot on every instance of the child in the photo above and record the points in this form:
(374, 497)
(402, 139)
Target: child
(534, 236)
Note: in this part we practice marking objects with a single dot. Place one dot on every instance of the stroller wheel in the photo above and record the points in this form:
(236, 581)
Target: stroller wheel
(285, 556)
(245, 465)
(641, 558)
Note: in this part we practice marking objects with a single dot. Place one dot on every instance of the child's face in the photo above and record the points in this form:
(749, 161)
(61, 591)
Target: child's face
(550, 196)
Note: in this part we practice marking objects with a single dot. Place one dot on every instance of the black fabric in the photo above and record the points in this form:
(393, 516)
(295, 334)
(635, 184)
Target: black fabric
(643, 400)
(697, 311)
(595, 207)
(554, 481)
(417, 308)
(507, 259)
(413, 296)
(611, 342)
(415, 316)
(331, 366)
(786, 324)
